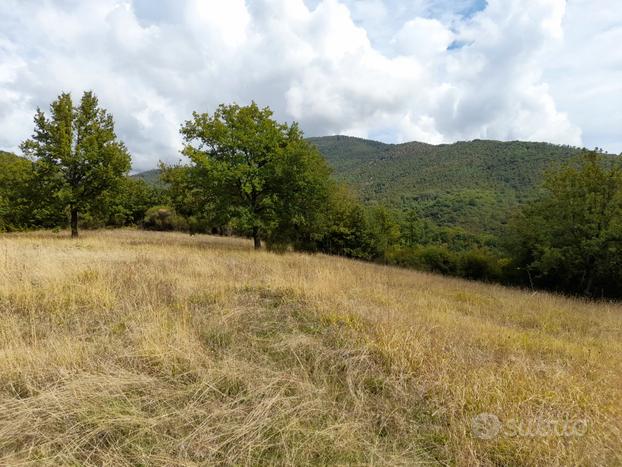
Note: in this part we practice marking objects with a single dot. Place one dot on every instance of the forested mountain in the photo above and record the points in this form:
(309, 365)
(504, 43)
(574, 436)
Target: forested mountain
(470, 184)
(474, 184)
(7, 157)
(152, 177)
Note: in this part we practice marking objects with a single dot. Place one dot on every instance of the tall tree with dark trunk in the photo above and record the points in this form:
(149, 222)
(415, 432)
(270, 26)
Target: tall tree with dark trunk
(77, 153)
(256, 173)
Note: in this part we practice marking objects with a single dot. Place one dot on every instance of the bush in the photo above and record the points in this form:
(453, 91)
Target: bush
(402, 255)
(200, 225)
(437, 258)
(479, 265)
(432, 258)
(164, 218)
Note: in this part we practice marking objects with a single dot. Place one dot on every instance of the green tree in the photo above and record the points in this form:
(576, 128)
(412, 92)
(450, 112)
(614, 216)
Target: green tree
(127, 203)
(412, 228)
(77, 154)
(15, 180)
(24, 200)
(570, 238)
(385, 228)
(346, 227)
(302, 179)
(253, 172)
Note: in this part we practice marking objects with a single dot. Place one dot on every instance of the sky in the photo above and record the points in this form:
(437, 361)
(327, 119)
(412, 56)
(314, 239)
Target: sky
(436, 71)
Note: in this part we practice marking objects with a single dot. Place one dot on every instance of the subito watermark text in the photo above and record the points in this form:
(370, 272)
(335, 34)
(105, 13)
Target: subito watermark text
(488, 426)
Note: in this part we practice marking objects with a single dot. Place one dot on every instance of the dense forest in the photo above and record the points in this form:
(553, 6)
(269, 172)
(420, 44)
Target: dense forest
(530, 214)
(474, 184)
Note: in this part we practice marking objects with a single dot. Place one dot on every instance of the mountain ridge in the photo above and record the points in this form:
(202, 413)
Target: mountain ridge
(471, 184)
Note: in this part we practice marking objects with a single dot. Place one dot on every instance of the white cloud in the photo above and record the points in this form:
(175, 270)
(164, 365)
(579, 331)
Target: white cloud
(379, 68)
(584, 70)
(423, 38)
(497, 89)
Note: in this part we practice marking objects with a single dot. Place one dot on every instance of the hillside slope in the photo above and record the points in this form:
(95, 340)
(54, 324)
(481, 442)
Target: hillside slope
(471, 184)
(475, 185)
(152, 177)
(8, 157)
(137, 348)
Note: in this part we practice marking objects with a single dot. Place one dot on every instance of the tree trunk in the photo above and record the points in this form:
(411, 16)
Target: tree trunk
(588, 288)
(256, 238)
(74, 223)
(588, 278)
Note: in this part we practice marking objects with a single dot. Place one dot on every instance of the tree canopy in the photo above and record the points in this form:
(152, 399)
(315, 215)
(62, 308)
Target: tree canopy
(570, 238)
(77, 155)
(254, 173)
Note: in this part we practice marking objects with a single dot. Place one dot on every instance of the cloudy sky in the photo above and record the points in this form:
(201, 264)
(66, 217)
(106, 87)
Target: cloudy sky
(393, 70)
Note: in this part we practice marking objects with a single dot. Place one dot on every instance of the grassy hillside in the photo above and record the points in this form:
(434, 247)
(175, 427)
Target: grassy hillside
(472, 184)
(129, 347)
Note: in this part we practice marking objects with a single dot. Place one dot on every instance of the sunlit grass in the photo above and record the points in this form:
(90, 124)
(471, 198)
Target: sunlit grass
(128, 347)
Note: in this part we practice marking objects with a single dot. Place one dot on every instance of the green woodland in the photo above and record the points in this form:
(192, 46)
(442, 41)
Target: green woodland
(473, 184)
(529, 214)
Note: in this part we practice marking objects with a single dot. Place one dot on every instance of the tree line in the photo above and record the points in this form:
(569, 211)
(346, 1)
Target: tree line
(249, 175)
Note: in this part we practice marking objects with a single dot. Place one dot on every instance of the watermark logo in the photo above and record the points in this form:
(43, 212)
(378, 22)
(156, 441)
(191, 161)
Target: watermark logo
(488, 426)
(485, 426)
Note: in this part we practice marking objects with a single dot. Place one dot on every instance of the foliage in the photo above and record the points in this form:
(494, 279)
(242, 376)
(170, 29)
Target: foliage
(477, 264)
(163, 218)
(25, 200)
(76, 153)
(15, 179)
(416, 229)
(433, 258)
(302, 187)
(347, 231)
(481, 264)
(385, 228)
(253, 173)
(570, 238)
(126, 204)
(151, 177)
(474, 185)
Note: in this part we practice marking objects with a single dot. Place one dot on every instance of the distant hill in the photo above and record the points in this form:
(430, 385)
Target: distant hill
(152, 177)
(8, 156)
(473, 184)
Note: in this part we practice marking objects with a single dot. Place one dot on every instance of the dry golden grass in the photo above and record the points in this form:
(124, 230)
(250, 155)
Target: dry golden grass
(134, 348)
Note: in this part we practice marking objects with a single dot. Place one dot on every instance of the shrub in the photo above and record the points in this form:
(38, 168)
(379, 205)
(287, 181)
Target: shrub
(164, 218)
(479, 265)
(437, 258)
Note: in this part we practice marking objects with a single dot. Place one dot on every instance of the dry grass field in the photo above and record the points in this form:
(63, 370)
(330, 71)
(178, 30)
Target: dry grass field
(135, 348)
